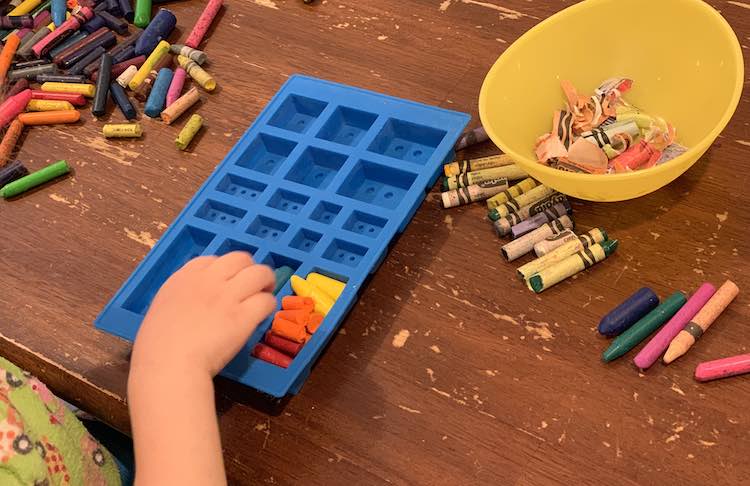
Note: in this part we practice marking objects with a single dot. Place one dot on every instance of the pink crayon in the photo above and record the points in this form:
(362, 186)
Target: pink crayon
(723, 368)
(63, 31)
(13, 106)
(175, 87)
(203, 23)
(659, 343)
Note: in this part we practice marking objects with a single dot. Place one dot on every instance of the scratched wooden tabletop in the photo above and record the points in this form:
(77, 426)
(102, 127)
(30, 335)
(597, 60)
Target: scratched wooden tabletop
(447, 371)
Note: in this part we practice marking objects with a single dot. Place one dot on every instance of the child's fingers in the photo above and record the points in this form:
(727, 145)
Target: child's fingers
(257, 308)
(199, 262)
(227, 266)
(250, 281)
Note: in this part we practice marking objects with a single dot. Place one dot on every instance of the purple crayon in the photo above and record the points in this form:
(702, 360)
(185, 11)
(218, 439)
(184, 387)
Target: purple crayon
(619, 319)
(529, 225)
(659, 343)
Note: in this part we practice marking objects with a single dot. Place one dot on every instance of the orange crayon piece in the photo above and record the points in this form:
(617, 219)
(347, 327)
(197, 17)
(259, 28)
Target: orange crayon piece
(295, 302)
(300, 316)
(6, 56)
(9, 141)
(314, 322)
(288, 330)
(682, 343)
(49, 117)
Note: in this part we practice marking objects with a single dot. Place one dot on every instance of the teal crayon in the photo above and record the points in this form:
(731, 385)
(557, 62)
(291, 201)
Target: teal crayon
(644, 327)
(34, 179)
(283, 274)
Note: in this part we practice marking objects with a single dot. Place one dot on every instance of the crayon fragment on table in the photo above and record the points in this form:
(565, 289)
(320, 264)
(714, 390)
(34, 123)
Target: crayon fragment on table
(93, 25)
(199, 75)
(514, 205)
(203, 23)
(127, 10)
(659, 343)
(86, 90)
(694, 329)
(269, 354)
(75, 99)
(25, 7)
(99, 105)
(573, 264)
(582, 242)
(521, 246)
(173, 112)
(187, 134)
(75, 51)
(473, 193)
(142, 92)
(553, 242)
(78, 18)
(11, 172)
(120, 97)
(32, 72)
(6, 56)
(34, 179)
(472, 137)
(160, 51)
(510, 172)
(92, 56)
(61, 78)
(76, 37)
(513, 191)
(122, 130)
(723, 368)
(142, 14)
(13, 106)
(124, 78)
(59, 8)
(182, 50)
(158, 96)
(16, 21)
(9, 141)
(49, 105)
(116, 24)
(49, 117)
(175, 88)
(537, 220)
(158, 29)
(630, 311)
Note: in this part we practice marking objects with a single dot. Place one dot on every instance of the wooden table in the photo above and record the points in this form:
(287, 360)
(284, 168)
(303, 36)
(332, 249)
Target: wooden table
(493, 384)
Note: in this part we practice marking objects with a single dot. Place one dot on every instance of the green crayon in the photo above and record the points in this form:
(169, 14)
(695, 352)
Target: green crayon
(644, 327)
(35, 179)
(142, 13)
(554, 274)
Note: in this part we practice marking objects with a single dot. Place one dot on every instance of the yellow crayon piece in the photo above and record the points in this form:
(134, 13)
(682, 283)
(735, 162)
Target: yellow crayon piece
(512, 192)
(122, 130)
(303, 288)
(26, 7)
(87, 90)
(48, 105)
(161, 49)
(196, 72)
(188, 131)
(330, 286)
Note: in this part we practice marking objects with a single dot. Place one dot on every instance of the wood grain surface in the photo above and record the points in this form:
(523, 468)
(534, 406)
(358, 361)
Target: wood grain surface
(493, 385)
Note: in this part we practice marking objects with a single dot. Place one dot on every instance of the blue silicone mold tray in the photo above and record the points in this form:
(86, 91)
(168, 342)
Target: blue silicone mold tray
(323, 181)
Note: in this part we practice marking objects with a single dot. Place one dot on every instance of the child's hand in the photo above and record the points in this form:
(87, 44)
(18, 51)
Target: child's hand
(204, 314)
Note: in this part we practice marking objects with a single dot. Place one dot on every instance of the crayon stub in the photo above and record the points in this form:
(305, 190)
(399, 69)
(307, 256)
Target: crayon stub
(629, 312)
(9, 141)
(323, 302)
(87, 90)
(723, 368)
(122, 130)
(313, 323)
(49, 117)
(288, 329)
(295, 302)
(282, 275)
(270, 355)
(180, 106)
(188, 132)
(299, 316)
(199, 75)
(283, 345)
(570, 266)
(49, 105)
(34, 179)
(329, 285)
(11, 172)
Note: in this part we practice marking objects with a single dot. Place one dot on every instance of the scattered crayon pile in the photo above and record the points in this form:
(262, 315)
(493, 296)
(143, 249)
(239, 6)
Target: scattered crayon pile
(535, 216)
(300, 315)
(603, 133)
(92, 52)
(682, 321)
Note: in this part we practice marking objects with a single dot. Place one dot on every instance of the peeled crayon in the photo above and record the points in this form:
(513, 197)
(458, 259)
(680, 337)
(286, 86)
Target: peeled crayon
(628, 312)
(182, 50)
(188, 132)
(12, 106)
(158, 96)
(11, 172)
(644, 327)
(203, 23)
(282, 274)
(175, 87)
(158, 29)
(329, 285)
(656, 346)
(34, 179)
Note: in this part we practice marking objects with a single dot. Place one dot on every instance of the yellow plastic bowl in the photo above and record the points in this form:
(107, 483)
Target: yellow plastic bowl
(683, 56)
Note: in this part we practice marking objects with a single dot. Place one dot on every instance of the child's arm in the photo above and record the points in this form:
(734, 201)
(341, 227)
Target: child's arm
(197, 322)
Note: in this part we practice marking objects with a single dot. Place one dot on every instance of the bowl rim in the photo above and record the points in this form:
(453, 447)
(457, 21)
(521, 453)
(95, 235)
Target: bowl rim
(696, 151)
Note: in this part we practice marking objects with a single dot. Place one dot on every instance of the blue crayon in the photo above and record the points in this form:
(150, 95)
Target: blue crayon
(121, 100)
(283, 274)
(127, 10)
(160, 27)
(158, 96)
(124, 55)
(629, 312)
(96, 23)
(59, 8)
(80, 35)
(15, 170)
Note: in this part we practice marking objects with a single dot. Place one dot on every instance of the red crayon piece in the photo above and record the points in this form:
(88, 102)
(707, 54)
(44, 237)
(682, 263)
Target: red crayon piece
(74, 98)
(120, 67)
(284, 345)
(723, 368)
(63, 31)
(270, 355)
(13, 106)
(204, 23)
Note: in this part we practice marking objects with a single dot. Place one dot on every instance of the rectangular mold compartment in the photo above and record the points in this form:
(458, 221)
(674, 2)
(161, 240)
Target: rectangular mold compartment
(188, 244)
(347, 126)
(277, 260)
(230, 245)
(316, 167)
(407, 141)
(288, 201)
(297, 113)
(267, 228)
(266, 153)
(345, 252)
(377, 184)
(220, 213)
(237, 186)
(305, 240)
(365, 224)
(325, 212)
